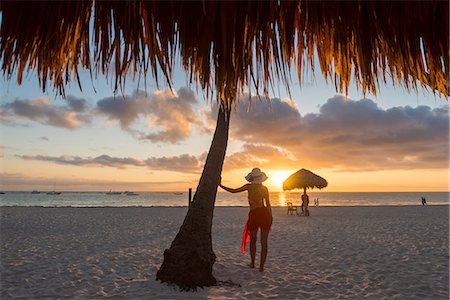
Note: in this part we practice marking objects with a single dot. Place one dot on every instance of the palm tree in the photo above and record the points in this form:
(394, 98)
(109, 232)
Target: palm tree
(190, 259)
(226, 46)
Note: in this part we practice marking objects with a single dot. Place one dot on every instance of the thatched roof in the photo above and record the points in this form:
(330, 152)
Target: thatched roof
(228, 45)
(304, 179)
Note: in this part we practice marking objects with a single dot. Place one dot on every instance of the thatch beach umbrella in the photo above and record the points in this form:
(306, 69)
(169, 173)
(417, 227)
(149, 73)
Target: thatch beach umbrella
(304, 179)
(226, 47)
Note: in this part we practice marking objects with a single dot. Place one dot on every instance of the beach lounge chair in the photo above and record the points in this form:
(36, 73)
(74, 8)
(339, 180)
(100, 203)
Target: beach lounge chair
(291, 208)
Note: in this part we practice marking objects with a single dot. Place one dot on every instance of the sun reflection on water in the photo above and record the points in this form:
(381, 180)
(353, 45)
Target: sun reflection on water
(281, 199)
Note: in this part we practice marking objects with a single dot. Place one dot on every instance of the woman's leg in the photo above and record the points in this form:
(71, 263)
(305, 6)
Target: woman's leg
(264, 242)
(253, 235)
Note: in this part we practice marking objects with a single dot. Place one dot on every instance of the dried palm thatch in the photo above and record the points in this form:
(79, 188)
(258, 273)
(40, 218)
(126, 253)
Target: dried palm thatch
(226, 46)
(304, 179)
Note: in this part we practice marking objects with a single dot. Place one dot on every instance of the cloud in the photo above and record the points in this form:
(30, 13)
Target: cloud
(44, 138)
(25, 182)
(72, 114)
(1, 150)
(347, 134)
(102, 160)
(174, 114)
(126, 110)
(171, 114)
(182, 163)
(77, 104)
(170, 117)
(261, 155)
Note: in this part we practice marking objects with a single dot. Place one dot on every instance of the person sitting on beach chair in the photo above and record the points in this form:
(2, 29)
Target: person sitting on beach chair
(291, 208)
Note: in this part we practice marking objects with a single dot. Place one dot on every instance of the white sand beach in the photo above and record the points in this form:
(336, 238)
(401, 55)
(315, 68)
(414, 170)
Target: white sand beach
(337, 253)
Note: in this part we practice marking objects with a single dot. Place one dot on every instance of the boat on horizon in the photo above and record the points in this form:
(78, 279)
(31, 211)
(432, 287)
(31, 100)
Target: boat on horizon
(178, 193)
(128, 193)
(113, 193)
(53, 193)
(35, 192)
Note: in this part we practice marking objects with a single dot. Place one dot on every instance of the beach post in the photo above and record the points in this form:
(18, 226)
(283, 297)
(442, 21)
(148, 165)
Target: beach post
(190, 197)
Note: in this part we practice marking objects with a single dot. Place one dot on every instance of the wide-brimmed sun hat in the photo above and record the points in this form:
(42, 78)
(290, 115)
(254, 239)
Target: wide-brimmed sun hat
(256, 176)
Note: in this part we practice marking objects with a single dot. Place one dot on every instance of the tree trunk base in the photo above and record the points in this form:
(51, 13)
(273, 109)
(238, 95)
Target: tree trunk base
(187, 268)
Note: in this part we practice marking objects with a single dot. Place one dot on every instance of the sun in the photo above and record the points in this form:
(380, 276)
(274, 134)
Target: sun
(277, 177)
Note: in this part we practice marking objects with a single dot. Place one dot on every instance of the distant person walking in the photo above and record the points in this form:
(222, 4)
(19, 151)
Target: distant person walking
(260, 215)
(424, 201)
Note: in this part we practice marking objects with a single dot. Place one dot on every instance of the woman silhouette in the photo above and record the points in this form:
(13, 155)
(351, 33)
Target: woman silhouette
(260, 215)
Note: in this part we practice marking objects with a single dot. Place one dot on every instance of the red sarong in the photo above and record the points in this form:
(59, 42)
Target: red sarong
(257, 218)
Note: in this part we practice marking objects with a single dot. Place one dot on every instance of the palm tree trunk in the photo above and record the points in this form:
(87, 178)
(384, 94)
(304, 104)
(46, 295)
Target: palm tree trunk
(189, 261)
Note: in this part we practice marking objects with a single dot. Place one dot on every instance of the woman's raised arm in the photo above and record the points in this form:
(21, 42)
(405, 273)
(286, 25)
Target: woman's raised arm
(238, 190)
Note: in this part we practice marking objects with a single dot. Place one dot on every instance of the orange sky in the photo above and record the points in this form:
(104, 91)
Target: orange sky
(105, 178)
(158, 141)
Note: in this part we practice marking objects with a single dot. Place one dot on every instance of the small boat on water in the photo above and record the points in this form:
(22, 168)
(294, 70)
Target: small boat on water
(131, 193)
(113, 193)
(53, 193)
(178, 193)
(35, 192)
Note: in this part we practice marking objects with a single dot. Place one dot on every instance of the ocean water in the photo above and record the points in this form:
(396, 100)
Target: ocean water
(99, 199)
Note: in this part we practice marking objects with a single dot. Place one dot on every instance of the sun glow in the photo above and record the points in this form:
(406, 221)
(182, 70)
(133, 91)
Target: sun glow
(277, 177)
(282, 199)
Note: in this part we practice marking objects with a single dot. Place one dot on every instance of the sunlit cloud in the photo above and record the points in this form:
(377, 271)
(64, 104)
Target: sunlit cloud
(182, 163)
(166, 116)
(259, 155)
(345, 134)
(102, 160)
(72, 114)
(172, 115)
